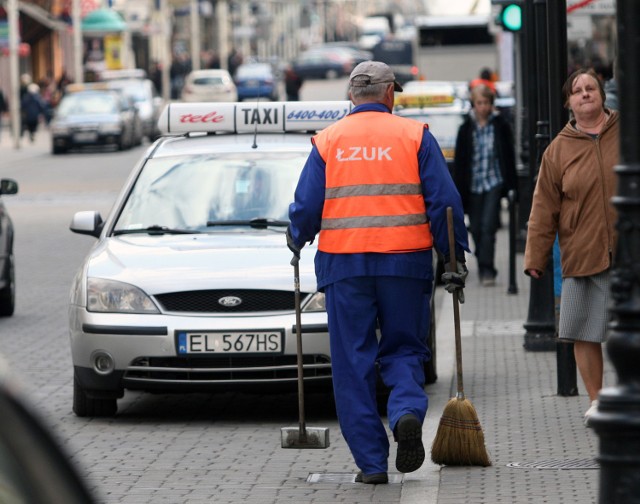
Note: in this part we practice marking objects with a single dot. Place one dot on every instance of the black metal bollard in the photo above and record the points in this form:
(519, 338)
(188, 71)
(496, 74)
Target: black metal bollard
(513, 222)
(617, 421)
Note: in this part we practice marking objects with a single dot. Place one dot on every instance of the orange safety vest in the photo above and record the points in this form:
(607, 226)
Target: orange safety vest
(373, 194)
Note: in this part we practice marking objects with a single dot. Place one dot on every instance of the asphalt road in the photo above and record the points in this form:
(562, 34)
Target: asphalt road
(159, 448)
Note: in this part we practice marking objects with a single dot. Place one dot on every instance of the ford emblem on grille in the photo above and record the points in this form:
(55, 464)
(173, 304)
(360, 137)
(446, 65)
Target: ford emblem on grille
(230, 301)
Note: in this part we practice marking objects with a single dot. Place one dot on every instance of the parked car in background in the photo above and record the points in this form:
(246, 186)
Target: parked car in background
(88, 116)
(443, 122)
(256, 80)
(7, 261)
(189, 286)
(146, 99)
(215, 85)
(327, 62)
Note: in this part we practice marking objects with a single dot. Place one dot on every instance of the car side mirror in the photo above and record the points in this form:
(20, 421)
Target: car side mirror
(87, 222)
(8, 186)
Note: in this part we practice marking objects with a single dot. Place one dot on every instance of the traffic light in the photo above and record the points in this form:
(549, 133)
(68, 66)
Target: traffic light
(511, 17)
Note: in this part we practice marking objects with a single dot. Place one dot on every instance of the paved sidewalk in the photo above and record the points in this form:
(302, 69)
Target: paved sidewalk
(529, 429)
(531, 433)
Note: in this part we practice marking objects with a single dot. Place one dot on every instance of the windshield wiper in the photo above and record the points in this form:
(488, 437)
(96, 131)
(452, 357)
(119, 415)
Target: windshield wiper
(256, 222)
(155, 230)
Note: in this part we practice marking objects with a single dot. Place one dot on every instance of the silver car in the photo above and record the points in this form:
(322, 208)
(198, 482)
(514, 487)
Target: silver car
(146, 99)
(189, 286)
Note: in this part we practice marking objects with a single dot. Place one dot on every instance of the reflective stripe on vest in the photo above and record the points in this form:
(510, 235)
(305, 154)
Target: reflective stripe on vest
(373, 196)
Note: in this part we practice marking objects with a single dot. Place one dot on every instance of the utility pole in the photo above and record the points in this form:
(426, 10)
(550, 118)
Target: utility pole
(14, 98)
(222, 16)
(165, 19)
(540, 325)
(558, 117)
(617, 421)
(194, 19)
(78, 49)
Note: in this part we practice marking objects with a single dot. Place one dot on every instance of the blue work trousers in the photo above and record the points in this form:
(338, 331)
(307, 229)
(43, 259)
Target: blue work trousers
(355, 307)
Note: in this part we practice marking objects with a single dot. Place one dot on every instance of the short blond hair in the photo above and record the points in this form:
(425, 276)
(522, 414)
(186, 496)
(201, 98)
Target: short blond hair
(482, 91)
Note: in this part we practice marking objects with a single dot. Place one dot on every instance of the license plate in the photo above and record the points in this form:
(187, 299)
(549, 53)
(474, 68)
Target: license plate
(85, 136)
(229, 342)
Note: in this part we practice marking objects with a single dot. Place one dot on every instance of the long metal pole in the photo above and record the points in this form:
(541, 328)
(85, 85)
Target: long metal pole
(14, 98)
(76, 17)
(617, 421)
(540, 324)
(567, 375)
(194, 19)
(222, 16)
(167, 28)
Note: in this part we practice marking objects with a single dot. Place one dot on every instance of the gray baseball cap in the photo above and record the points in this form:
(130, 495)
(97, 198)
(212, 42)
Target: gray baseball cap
(373, 72)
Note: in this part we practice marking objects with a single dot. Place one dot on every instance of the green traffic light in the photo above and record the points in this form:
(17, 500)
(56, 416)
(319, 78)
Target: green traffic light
(512, 17)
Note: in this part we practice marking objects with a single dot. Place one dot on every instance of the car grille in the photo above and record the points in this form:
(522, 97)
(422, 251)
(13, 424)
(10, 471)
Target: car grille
(243, 369)
(209, 301)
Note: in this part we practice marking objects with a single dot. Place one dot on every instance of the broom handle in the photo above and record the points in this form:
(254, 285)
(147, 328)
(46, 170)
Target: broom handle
(456, 307)
(302, 434)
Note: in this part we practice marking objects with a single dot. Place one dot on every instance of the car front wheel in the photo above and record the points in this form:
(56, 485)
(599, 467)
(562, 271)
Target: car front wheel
(85, 406)
(8, 292)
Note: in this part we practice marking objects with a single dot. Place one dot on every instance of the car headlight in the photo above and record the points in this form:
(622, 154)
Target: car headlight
(316, 303)
(59, 129)
(111, 127)
(117, 297)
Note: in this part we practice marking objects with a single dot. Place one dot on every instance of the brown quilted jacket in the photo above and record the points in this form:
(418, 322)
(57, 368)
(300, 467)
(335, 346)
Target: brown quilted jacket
(573, 198)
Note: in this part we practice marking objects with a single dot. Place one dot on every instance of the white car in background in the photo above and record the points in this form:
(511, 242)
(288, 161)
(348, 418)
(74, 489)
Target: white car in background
(215, 85)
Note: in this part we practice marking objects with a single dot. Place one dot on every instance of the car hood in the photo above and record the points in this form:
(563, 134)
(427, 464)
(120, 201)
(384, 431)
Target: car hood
(172, 263)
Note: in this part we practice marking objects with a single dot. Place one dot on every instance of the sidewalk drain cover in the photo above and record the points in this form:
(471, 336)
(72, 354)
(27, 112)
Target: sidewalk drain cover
(340, 478)
(557, 464)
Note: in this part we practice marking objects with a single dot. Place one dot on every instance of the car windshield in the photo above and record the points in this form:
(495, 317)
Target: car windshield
(253, 71)
(88, 103)
(138, 92)
(208, 81)
(444, 127)
(212, 192)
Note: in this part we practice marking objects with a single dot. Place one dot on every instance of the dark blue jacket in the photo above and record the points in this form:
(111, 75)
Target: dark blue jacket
(439, 193)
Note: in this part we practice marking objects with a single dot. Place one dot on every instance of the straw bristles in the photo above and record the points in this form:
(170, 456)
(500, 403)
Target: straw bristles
(459, 439)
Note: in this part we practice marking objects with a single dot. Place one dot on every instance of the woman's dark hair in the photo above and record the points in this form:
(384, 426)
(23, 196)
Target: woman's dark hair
(568, 85)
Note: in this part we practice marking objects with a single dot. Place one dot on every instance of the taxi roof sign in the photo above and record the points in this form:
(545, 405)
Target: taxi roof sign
(249, 117)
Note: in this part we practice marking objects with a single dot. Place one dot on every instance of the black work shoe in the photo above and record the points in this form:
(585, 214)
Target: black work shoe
(372, 479)
(408, 434)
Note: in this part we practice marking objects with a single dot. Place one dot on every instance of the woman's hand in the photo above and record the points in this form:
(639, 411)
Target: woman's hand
(534, 273)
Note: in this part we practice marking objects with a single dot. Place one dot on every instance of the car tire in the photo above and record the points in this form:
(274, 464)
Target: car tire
(331, 74)
(85, 406)
(58, 150)
(8, 293)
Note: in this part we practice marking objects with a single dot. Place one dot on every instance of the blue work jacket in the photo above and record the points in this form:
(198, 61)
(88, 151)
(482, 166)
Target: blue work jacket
(439, 191)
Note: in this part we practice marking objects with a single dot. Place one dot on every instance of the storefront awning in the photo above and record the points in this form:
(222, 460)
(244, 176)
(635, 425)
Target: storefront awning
(103, 21)
(41, 16)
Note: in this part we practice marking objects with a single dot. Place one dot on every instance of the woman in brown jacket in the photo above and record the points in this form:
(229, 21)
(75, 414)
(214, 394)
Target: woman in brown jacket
(572, 199)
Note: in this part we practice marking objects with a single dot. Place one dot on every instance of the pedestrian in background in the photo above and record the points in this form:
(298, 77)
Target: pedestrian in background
(484, 172)
(292, 84)
(573, 199)
(486, 77)
(376, 188)
(32, 107)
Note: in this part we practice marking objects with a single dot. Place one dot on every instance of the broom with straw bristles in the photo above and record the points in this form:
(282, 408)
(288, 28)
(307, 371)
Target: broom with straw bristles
(459, 439)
